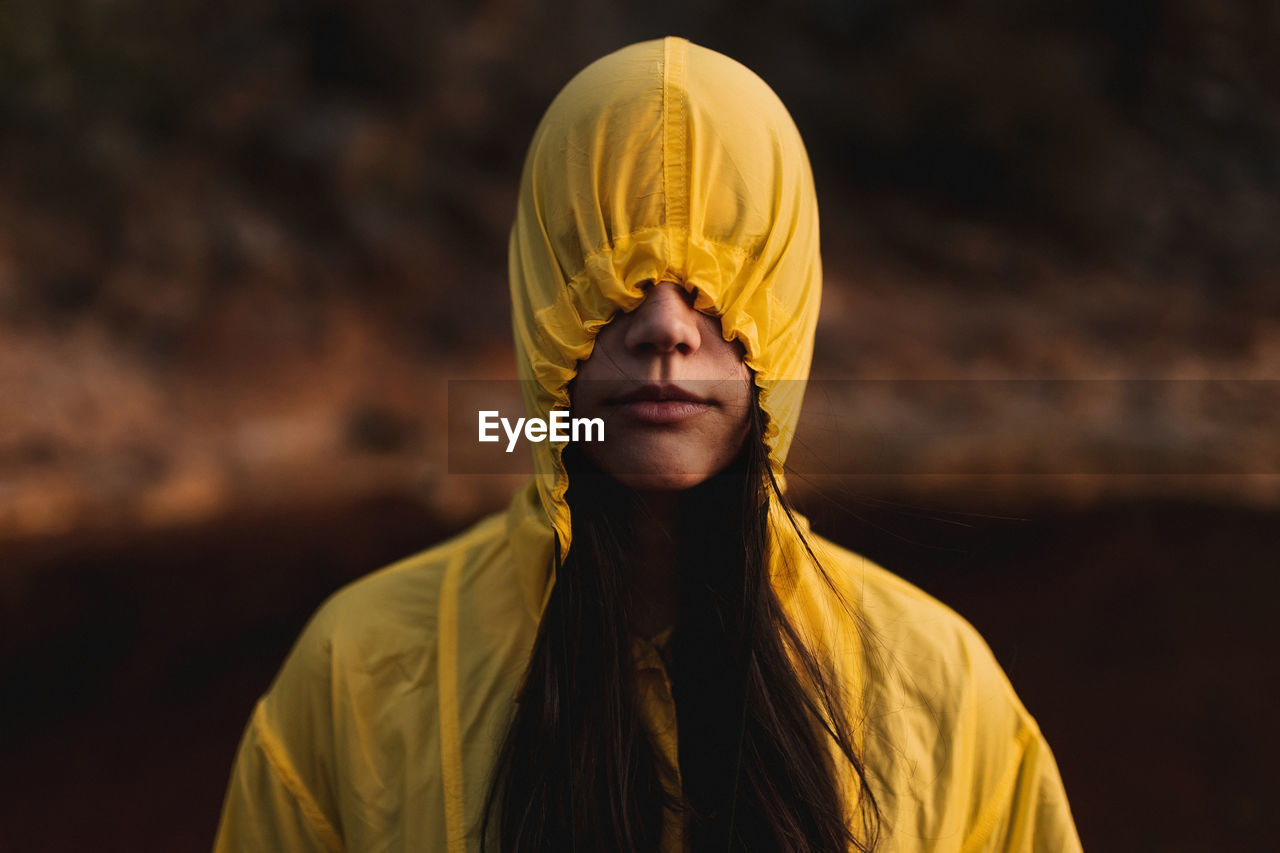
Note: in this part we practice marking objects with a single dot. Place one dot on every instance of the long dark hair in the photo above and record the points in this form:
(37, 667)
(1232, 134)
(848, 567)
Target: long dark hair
(757, 711)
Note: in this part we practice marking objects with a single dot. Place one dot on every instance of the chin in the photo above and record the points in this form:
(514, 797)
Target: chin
(665, 481)
(654, 469)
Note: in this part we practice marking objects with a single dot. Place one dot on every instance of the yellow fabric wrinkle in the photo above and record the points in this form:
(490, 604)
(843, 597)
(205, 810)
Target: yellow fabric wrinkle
(994, 807)
(284, 769)
(450, 737)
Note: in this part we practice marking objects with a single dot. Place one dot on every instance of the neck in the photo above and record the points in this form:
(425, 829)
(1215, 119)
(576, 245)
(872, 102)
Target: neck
(653, 566)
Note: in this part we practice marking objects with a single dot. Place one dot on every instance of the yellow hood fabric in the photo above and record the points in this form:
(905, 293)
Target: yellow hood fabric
(662, 161)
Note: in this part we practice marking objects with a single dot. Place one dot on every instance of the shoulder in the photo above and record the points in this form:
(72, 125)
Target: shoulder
(375, 636)
(400, 600)
(911, 637)
(364, 672)
(346, 726)
(956, 754)
(925, 676)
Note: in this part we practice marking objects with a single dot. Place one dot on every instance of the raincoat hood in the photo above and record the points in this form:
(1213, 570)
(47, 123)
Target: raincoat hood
(663, 161)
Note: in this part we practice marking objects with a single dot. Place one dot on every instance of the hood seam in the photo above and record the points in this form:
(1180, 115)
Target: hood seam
(674, 167)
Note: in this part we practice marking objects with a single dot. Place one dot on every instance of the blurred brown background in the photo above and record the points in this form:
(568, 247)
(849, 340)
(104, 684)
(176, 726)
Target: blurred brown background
(244, 245)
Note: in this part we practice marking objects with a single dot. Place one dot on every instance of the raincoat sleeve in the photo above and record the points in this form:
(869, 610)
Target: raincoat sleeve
(1024, 806)
(1036, 818)
(961, 765)
(281, 797)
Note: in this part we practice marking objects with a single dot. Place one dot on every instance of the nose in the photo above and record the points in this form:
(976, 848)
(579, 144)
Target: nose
(665, 323)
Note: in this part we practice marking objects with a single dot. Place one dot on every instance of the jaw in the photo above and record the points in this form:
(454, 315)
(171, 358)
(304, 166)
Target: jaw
(658, 460)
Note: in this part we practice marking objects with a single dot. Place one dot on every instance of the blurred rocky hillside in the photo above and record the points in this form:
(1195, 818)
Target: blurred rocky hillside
(244, 245)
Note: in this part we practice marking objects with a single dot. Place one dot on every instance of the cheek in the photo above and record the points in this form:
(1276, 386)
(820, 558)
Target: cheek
(726, 359)
(603, 361)
(742, 408)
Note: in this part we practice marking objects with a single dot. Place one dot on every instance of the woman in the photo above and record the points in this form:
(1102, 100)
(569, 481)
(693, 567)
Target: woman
(648, 649)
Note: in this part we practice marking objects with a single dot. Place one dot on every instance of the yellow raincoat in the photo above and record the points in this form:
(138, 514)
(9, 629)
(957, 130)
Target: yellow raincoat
(662, 161)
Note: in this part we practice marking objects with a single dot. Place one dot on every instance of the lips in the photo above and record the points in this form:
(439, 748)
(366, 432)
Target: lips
(660, 404)
(656, 393)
